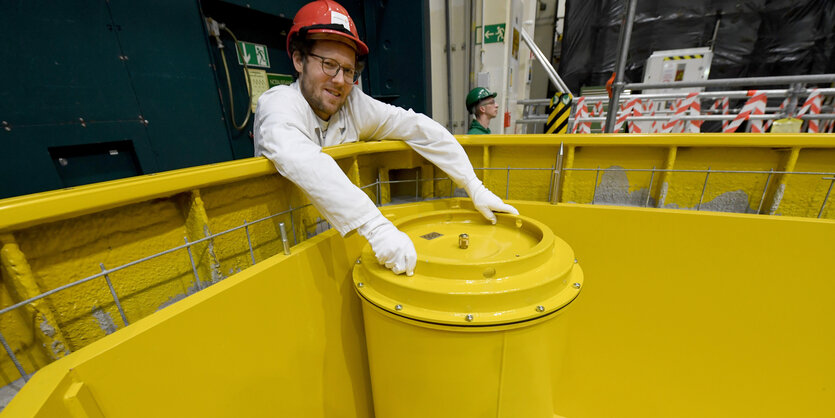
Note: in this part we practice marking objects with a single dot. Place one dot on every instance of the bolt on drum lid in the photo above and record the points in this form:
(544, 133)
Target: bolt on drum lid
(472, 273)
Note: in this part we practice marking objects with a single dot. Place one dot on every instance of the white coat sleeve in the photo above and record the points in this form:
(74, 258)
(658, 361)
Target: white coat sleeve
(427, 137)
(283, 138)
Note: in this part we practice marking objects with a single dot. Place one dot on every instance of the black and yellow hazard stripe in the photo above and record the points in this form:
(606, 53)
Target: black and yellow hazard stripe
(683, 57)
(558, 110)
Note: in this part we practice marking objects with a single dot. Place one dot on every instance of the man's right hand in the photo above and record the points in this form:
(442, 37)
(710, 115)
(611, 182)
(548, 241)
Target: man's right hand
(392, 247)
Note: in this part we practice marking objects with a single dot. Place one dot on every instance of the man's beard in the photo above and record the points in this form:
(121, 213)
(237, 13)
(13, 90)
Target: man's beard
(317, 99)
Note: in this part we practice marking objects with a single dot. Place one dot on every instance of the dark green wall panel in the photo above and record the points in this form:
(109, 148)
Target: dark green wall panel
(170, 69)
(59, 62)
(113, 65)
(399, 61)
(145, 75)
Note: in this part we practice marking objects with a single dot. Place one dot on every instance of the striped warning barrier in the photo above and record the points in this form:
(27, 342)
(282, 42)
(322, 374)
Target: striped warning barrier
(581, 112)
(638, 127)
(558, 110)
(598, 112)
(689, 105)
(668, 126)
(649, 108)
(812, 106)
(630, 108)
(721, 106)
(754, 106)
(694, 108)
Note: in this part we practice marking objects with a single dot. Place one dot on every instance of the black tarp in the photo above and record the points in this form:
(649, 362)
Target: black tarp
(755, 38)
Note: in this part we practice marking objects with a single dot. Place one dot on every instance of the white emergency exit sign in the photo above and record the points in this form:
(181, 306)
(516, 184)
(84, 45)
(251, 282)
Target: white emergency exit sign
(255, 55)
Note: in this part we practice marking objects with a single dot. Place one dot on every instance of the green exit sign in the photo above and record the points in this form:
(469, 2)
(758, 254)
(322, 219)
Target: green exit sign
(255, 55)
(494, 33)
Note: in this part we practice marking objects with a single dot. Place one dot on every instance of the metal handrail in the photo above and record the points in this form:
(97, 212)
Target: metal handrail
(546, 63)
(664, 114)
(704, 117)
(705, 95)
(748, 81)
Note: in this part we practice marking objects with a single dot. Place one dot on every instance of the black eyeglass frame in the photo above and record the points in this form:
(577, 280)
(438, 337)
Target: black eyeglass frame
(339, 67)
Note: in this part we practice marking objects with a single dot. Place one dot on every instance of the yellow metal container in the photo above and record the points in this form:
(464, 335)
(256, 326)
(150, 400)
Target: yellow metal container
(473, 332)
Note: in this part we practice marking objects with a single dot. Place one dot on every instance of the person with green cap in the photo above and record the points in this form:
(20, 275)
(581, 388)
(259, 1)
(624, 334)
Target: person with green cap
(482, 104)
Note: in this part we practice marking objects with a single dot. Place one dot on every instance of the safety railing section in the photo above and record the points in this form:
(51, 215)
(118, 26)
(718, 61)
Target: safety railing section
(106, 272)
(675, 112)
(187, 246)
(556, 172)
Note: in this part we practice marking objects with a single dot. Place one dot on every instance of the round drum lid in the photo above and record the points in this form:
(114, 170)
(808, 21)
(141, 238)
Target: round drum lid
(514, 271)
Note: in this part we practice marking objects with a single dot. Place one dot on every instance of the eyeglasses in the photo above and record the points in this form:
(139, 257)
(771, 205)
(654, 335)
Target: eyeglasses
(331, 68)
(491, 102)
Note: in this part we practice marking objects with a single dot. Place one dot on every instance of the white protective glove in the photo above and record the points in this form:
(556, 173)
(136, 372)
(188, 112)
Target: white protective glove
(392, 247)
(486, 202)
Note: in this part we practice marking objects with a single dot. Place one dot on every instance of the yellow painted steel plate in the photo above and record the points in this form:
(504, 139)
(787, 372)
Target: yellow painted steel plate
(514, 271)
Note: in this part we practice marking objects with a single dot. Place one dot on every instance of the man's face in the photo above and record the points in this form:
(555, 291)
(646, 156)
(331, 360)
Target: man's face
(325, 94)
(490, 107)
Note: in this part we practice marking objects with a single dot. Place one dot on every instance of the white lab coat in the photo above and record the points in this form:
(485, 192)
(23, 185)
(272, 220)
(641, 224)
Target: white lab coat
(289, 134)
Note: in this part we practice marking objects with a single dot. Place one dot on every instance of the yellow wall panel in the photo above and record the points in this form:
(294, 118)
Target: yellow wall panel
(614, 186)
(228, 206)
(725, 192)
(523, 184)
(72, 250)
(732, 310)
(804, 194)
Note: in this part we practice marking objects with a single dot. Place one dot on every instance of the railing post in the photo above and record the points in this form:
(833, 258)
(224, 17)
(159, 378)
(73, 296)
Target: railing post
(649, 190)
(249, 241)
(704, 187)
(284, 242)
(556, 175)
(765, 189)
(16, 362)
(823, 206)
(197, 283)
(113, 292)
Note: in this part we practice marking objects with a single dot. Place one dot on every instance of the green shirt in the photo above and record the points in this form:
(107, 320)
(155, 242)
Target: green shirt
(477, 129)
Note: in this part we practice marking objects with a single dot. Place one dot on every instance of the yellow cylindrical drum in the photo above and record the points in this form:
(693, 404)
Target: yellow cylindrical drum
(475, 332)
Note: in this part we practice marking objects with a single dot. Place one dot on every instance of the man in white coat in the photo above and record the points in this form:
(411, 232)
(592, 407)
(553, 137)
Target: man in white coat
(321, 108)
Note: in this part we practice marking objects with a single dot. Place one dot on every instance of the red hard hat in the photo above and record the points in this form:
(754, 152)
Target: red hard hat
(325, 16)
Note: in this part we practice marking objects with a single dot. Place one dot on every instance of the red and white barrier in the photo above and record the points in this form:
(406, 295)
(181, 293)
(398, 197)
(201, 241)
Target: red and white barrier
(581, 112)
(668, 126)
(630, 108)
(598, 112)
(694, 109)
(754, 106)
(649, 108)
(690, 105)
(721, 106)
(812, 106)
